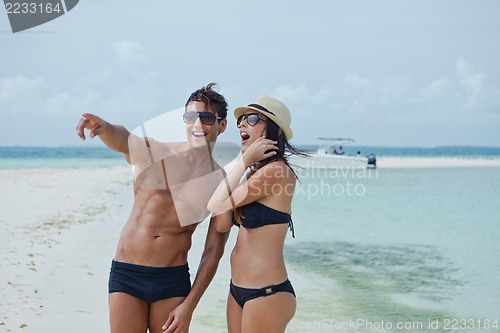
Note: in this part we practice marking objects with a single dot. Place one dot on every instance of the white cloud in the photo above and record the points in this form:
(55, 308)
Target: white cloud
(463, 67)
(290, 93)
(17, 88)
(436, 99)
(324, 94)
(130, 53)
(471, 80)
(355, 78)
(437, 87)
(57, 103)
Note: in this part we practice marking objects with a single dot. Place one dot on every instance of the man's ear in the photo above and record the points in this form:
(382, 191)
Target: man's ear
(222, 126)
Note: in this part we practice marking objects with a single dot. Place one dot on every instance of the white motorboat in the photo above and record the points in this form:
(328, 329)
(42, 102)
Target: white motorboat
(330, 154)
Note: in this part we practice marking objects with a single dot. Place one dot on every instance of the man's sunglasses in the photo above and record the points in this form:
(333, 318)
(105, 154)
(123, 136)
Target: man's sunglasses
(251, 119)
(207, 118)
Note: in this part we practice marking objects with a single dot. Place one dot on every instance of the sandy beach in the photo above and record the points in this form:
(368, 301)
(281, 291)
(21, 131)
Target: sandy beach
(435, 162)
(60, 228)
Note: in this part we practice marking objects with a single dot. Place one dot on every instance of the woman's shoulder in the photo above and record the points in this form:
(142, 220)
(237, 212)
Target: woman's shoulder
(278, 170)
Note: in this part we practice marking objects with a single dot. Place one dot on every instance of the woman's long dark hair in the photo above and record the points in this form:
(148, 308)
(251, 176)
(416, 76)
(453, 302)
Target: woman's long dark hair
(285, 149)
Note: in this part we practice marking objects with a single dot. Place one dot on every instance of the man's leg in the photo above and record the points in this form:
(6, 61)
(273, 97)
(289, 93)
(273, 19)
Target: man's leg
(159, 311)
(127, 314)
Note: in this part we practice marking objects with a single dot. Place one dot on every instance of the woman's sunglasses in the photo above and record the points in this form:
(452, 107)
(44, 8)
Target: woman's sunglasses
(207, 118)
(251, 119)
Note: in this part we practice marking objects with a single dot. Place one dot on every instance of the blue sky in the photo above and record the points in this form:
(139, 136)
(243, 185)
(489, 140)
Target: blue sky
(387, 73)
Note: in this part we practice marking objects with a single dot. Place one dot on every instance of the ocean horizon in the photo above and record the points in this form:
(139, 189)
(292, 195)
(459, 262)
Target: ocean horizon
(30, 157)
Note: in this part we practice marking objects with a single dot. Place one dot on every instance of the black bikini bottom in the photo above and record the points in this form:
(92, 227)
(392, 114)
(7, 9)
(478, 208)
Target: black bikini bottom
(243, 295)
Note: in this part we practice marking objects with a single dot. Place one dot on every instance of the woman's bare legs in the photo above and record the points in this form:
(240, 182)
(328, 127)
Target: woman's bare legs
(127, 314)
(234, 314)
(268, 314)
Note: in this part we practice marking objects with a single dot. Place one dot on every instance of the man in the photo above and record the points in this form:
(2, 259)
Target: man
(149, 285)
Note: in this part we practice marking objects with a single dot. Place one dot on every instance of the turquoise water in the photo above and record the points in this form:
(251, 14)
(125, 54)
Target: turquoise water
(13, 158)
(404, 245)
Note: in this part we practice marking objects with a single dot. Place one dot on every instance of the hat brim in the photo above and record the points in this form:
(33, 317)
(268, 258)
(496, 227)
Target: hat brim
(286, 129)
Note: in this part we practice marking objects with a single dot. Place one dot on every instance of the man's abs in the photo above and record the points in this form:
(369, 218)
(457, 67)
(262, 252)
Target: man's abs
(153, 235)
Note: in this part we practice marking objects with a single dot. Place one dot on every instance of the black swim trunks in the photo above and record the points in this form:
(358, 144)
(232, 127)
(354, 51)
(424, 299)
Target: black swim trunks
(243, 295)
(149, 284)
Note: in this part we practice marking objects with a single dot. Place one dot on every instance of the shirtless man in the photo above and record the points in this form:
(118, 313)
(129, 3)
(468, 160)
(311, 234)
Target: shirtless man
(149, 285)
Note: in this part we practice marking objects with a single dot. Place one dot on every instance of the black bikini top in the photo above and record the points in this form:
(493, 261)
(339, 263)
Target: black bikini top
(255, 215)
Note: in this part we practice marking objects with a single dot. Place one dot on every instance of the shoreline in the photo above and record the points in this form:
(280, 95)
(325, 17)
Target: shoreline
(385, 162)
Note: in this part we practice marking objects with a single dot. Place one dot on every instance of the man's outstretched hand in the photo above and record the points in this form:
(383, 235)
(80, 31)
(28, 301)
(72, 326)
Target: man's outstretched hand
(93, 123)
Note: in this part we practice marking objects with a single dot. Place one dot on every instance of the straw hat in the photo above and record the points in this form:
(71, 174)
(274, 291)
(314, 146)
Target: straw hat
(272, 109)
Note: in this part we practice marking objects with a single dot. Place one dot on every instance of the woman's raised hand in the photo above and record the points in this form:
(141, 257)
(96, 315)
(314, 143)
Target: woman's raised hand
(259, 150)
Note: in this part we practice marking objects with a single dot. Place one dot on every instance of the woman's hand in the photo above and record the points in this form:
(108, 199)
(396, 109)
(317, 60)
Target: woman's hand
(259, 150)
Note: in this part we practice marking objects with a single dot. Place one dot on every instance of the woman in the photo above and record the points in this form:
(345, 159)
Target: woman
(261, 297)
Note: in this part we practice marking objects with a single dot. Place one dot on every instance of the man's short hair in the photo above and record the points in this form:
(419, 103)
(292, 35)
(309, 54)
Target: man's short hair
(212, 99)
